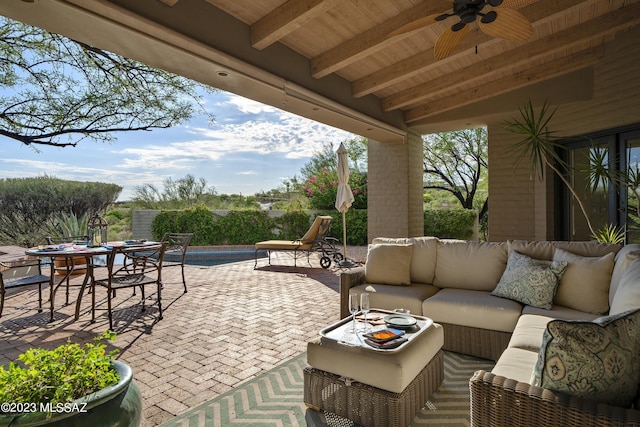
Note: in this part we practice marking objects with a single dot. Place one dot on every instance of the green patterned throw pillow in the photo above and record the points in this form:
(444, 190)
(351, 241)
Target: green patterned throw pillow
(530, 281)
(594, 360)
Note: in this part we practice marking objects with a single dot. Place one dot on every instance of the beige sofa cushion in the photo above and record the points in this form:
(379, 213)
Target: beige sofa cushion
(622, 260)
(546, 249)
(477, 309)
(423, 260)
(388, 264)
(528, 332)
(585, 283)
(390, 297)
(385, 370)
(627, 296)
(516, 364)
(560, 312)
(469, 265)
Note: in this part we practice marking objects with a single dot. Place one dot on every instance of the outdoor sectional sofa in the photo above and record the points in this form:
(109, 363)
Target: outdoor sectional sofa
(554, 297)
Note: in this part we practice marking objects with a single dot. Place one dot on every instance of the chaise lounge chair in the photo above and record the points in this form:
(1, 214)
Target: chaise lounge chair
(314, 240)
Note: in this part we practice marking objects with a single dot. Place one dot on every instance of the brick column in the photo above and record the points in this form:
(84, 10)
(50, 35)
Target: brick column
(395, 189)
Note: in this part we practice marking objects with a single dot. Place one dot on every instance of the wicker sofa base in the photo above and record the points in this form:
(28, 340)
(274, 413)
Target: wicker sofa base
(499, 401)
(368, 405)
(483, 343)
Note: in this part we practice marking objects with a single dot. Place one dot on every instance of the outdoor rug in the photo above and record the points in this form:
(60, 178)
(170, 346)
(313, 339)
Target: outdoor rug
(275, 399)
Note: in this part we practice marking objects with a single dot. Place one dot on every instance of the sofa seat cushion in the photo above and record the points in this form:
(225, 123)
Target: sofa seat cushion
(469, 265)
(560, 312)
(528, 332)
(516, 364)
(390, 297)
(594, 360)
(584, 285)
(477, 309)
(423, 259)
(391, 371)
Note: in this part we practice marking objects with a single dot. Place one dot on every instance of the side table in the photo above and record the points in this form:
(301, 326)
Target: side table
(370, 387)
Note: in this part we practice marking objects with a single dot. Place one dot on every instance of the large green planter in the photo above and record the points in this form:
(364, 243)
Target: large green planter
(119, 405)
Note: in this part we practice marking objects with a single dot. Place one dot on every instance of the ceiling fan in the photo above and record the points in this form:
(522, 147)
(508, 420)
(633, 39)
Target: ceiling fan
(500, 22)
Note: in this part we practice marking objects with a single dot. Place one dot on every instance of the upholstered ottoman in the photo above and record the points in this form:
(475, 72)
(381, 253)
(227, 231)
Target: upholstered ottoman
(372, 388)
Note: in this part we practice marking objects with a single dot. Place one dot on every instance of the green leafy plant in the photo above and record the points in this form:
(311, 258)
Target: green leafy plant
(449, 223)
(61, 375)
(541, 146)
(610, 234)
(321, 189)
(67, 224)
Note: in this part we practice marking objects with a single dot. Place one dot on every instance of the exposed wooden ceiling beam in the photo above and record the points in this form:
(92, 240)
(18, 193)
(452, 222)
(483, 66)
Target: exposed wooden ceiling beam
(372, 40)
(536, 12)
(285, 19)
(500, 86)
(610, 23)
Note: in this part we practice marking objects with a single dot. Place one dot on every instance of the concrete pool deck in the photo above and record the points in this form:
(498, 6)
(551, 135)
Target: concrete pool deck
(233, 324)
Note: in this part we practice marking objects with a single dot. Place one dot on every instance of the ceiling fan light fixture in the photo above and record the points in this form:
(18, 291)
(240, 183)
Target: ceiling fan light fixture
(494, 3)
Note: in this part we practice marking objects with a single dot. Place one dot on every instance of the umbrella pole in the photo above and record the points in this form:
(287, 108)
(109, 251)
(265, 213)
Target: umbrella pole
(344, 234)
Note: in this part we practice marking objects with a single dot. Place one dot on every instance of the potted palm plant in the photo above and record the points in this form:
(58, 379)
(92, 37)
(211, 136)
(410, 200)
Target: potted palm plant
(71, 386)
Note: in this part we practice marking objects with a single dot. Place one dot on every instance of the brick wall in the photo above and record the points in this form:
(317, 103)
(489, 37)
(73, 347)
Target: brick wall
(521, 207)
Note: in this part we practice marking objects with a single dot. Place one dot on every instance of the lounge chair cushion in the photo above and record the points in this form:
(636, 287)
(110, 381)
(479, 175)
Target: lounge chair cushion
(560, 312)
(388, 264)
(469, 265)
(593, 360)
(423, 259)
(530, 281)
(584, 285)
(285, 245)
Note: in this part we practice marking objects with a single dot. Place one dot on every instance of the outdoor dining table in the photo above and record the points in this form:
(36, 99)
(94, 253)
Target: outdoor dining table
(69, 251)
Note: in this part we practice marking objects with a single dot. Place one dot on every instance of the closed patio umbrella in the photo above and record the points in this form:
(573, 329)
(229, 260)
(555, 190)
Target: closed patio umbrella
(344, 198)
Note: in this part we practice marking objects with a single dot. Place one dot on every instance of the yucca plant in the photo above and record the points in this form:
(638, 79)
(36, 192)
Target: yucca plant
(67, 224)
(540, 145)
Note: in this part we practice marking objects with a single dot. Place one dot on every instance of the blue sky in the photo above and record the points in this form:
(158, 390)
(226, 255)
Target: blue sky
(251, 147)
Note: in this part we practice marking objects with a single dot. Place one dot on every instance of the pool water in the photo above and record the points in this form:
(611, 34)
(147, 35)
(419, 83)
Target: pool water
(213, 257)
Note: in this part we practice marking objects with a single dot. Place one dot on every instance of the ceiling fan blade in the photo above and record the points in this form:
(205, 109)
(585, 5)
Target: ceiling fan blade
(415, 25)
(508, 25)
(516, 3)
(448, 41)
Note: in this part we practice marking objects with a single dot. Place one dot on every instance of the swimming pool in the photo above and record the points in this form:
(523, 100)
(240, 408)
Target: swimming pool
(211, 257)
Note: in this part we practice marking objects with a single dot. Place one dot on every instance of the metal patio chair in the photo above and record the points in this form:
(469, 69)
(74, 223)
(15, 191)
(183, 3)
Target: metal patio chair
(22, 273)
(176, 253)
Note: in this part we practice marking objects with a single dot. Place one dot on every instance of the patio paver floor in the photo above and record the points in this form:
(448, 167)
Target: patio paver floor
(233, 324)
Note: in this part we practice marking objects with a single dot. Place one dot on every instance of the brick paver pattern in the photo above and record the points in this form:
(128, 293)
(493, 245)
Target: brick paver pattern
(233, 324)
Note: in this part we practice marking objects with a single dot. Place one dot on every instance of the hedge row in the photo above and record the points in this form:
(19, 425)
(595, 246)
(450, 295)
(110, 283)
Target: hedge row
(249, 226)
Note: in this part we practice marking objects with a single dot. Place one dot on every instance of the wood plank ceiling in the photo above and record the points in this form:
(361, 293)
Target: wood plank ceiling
(351, 38)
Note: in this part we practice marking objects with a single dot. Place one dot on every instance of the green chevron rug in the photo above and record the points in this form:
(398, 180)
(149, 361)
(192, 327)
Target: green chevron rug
(275, 399)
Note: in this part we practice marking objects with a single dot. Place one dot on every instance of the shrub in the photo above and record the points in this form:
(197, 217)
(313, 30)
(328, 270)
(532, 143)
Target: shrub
(449, 223)
(293, 224)
(357, 233)
(322, 189)
(61, 375)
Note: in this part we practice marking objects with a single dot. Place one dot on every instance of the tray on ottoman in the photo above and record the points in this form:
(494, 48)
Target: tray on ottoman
(368, 405)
